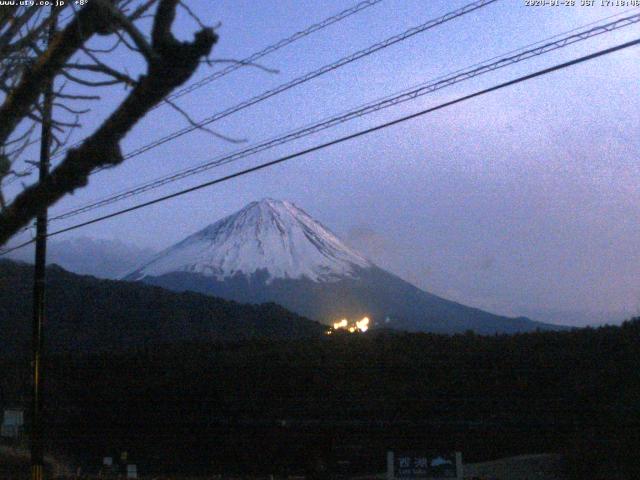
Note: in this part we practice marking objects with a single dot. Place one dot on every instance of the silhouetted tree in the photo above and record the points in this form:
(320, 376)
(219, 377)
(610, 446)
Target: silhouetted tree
(28, 64)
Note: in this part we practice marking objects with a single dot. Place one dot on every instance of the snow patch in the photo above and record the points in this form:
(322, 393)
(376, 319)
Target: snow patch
(270, 235)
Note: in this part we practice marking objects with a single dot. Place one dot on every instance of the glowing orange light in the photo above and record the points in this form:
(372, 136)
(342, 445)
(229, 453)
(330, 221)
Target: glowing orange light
(341, 324)
(352, 327)
(363, 325)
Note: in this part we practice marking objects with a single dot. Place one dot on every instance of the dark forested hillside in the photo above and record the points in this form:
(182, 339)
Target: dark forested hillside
(388, 299)
(88, 314)
(273, 251)
(288, 406)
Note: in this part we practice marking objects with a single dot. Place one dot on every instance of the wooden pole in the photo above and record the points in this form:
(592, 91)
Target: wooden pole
(39, 284)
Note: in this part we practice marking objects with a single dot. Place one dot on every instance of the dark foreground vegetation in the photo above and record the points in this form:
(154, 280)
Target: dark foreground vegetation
(87, 314)
(298, 406)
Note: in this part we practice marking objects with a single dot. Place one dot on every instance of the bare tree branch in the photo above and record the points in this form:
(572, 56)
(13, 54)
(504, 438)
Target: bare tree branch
(193, 123)
(129, 27)
(171, 64)
(16, 106)
(244, 63)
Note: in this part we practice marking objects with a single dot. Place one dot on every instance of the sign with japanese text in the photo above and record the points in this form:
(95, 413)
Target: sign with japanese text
(420, 465)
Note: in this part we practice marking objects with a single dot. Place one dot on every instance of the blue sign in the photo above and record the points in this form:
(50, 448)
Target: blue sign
(423, 466)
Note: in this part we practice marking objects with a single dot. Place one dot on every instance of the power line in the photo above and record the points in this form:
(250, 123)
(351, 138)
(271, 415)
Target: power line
(389, 101)
(360, 133)
(325, 22)
(272, 48)
(125, 193)
(314, 74)
(308, 76)
(250, 59)
(33, 167)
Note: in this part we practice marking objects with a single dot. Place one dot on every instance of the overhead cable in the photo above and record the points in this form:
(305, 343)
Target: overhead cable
(424, 89)
(340, 140)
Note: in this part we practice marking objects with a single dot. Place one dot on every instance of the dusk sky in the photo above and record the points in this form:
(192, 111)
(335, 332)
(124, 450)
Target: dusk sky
(524, 201)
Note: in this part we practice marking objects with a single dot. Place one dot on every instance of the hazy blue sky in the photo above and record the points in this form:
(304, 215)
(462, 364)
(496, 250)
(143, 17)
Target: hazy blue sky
(523, 201)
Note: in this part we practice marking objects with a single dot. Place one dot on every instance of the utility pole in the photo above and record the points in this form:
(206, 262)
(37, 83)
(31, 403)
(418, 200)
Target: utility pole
(39, 284)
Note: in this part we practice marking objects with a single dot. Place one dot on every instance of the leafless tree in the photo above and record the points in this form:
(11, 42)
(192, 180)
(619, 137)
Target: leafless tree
(29, 60)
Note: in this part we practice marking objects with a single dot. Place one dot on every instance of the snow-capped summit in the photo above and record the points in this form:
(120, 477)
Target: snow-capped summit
(270, 235)
(272, 251)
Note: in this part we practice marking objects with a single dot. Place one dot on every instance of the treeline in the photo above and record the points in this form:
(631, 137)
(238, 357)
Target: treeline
(88, 314)
(267, 406)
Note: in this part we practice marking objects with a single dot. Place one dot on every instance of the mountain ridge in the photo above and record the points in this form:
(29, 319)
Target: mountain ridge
(272, 250)
(87, 314)
(276, 236)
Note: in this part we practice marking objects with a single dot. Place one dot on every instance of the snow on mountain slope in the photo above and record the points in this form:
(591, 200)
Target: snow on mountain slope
(272, 251)
(270, 235)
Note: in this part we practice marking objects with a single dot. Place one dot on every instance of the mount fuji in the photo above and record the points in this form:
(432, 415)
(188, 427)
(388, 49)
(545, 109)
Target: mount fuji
(273, 251)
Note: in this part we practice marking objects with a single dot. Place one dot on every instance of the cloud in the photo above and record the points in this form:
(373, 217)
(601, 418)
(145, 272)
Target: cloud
(90, 256)
(368, 242)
